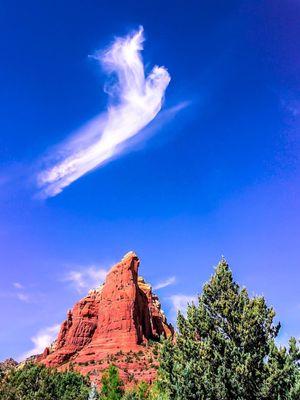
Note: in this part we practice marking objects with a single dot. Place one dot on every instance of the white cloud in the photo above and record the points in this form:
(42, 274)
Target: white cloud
(165, 283)
(23, 297)
(42, 339)
(135, 100)
(180, 302)
(18, 285)
(20, 294)
(87, 278)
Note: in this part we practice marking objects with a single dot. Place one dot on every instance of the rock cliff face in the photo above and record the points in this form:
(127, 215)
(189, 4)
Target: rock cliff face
(118, 323)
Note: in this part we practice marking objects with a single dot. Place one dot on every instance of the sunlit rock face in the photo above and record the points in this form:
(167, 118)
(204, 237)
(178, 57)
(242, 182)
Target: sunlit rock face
(119, 323)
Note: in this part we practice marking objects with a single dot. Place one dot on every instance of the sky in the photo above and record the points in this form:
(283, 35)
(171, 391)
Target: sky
(167, 128)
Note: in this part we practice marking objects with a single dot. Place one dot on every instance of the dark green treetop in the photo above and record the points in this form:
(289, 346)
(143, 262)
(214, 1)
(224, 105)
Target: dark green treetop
(224, 347)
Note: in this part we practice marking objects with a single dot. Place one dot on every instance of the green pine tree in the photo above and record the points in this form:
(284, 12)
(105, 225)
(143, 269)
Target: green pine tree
(283, 373)
(222, 344)
(112, 385)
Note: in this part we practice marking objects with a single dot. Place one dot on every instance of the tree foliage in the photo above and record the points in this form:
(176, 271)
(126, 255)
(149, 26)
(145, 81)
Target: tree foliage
(36, 382)
(143, 391)
(225, 348)
(283, 373)
(112, 385)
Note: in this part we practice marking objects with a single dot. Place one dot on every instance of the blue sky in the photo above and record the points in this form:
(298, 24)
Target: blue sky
(219, 177)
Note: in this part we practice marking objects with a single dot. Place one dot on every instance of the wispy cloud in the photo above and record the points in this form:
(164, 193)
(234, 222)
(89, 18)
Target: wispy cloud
(18, 285)
(23, 297)
(86, 278)
(180, 303)
(135, 100)
(20, 292)
(42, 339)
(165, 283)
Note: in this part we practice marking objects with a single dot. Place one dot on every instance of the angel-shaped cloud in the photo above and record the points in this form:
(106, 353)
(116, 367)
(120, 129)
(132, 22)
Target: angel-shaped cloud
(135, 100)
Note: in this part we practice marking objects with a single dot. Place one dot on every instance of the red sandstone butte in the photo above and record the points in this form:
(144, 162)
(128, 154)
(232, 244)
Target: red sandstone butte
(118, 323)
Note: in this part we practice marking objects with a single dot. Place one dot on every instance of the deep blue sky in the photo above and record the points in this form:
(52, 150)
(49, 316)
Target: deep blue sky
(221, 178)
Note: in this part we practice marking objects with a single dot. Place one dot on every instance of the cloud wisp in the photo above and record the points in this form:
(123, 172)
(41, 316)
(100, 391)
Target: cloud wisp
(165, 283)
(20, 293)
(134, 101)
(180, 303)
(18, 285)
(42, 339)
(23, 297)
(84, 279)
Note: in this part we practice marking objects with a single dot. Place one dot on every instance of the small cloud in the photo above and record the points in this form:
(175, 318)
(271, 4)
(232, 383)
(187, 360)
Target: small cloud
(23, 297)
(19, 293)
(42, 339)
(165, 283)
(85, 278)
(180, 303)
(18, 285)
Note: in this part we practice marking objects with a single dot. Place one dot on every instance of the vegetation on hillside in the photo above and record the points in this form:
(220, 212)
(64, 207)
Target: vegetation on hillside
(225, 349)
(36, 382)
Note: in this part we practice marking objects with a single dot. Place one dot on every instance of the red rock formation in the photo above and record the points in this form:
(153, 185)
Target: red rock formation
(117, 322)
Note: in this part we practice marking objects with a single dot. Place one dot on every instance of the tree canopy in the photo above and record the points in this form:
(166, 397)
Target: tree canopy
(36, 382)
(225, 348)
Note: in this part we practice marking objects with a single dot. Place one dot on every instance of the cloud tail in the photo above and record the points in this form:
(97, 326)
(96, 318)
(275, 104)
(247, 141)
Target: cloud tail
(135, 100)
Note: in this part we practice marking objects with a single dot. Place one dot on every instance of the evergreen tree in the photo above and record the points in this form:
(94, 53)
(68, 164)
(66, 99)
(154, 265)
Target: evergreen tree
(112, 385)
(283, 373)
(222, 344)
